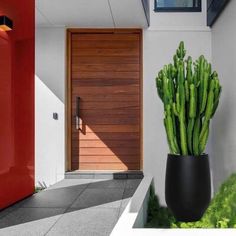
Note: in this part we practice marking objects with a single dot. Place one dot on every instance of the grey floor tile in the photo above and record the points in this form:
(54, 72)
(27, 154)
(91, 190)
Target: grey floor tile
(128, 194)
(11, 208)
(114, 183)
(133, 183)
(103, 197)
(29, 221)
(58, 198)
(94, 208)
(6, 211)
(86, 222)
(80, 183)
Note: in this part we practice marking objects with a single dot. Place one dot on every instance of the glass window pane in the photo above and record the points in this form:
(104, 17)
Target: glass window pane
(177, 3)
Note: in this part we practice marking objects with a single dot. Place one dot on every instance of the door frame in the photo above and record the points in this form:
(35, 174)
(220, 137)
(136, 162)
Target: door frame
(68, 116)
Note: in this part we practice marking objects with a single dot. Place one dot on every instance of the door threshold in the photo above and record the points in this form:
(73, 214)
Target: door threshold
(104, 174)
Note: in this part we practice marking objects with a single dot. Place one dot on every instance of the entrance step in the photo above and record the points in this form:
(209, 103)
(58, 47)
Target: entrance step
(78, 174)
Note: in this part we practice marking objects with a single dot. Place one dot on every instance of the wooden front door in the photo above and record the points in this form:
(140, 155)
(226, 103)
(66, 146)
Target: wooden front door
(105, 99)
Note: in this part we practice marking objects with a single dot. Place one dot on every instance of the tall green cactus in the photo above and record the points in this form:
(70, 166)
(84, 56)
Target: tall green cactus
(190, 93)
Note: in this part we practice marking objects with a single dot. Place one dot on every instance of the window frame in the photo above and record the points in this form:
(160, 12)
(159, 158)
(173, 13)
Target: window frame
(178, 9)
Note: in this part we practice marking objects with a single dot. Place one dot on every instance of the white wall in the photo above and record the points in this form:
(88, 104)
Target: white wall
(50, 58)
(160, 43)
(50, 89)
(49, 136)
(224, 123)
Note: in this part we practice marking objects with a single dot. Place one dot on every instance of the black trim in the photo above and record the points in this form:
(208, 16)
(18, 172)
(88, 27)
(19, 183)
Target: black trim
(178, 9)
(4, 20)
(145, 4)
(215, 7)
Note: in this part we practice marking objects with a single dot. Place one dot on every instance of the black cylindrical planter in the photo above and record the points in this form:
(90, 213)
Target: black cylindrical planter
(187, 186)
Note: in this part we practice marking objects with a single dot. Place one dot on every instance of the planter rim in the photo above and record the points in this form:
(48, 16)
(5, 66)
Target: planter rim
(205, 155)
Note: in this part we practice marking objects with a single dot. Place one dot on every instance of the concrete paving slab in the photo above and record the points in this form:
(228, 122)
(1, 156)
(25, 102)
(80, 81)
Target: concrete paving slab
(128, 193)
(6, 211)
(104, 197)
(29, 221)
(11, 208)
(54, 198)
(70, 207)
(101, 183)
(80, 183)
(86, 222)
(133, 183)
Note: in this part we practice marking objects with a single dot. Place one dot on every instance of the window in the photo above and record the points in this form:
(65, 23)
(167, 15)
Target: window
(177, 5)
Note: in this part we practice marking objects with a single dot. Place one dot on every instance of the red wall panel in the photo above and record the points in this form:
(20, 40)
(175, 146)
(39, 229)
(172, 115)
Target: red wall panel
(17, 102)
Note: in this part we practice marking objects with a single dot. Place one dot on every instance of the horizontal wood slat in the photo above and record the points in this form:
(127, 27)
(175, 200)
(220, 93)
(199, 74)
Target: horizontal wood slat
(107, 105)
(105, 74)
(96, 82)
(104, 136)
(126, 90)
(108, 97)
(109, 113)
(106, 159)
(106, 151)
(105, 166)
(107, 68)
(105, 143)
(108, 128)
(108, 120)
(104, 44)
(104, 37)
(105, 52)
(105, 60)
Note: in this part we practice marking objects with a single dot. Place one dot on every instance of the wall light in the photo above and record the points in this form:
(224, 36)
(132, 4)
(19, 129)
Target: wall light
(6, 24)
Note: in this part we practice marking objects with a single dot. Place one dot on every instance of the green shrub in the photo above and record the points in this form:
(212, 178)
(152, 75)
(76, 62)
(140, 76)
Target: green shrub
(38, 189)
(220, 214)
(158, 216)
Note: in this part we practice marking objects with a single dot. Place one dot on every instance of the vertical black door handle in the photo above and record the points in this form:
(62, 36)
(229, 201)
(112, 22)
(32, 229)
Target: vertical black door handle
(77, 115)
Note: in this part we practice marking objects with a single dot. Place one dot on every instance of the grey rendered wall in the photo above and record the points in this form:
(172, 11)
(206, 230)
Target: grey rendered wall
(50, 59)
(224, 123)
(159, 44)
(159, 47)
(49, 98)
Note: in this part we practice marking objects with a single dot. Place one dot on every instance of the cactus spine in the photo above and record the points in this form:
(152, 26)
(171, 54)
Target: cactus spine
(190, 93)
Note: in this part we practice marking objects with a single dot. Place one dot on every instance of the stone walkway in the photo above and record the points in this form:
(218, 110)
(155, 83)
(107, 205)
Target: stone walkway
(73, 207)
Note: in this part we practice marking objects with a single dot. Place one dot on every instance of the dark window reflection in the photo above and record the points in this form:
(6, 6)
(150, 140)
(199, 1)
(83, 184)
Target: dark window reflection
(177, 3)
